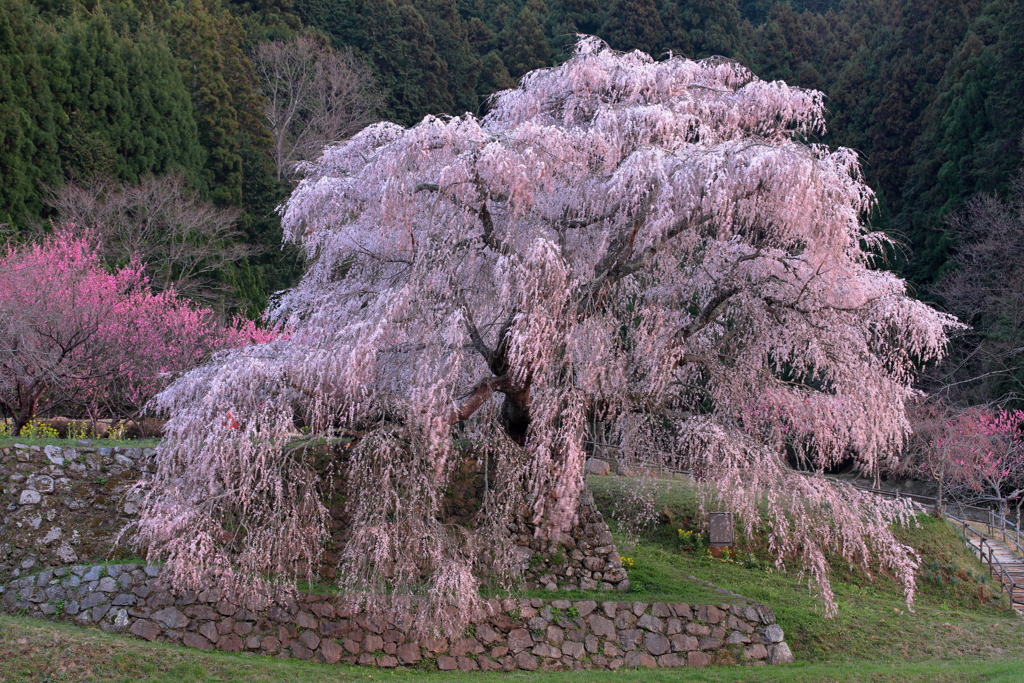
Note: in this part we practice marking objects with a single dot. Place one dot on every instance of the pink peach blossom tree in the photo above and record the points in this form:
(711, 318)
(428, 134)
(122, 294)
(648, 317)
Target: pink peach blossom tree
(76, 337)
(651, 244)
(984, 447)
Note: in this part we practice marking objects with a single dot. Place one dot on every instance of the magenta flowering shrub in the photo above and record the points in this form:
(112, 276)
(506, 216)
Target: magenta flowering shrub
(648, 244)
(78, 338)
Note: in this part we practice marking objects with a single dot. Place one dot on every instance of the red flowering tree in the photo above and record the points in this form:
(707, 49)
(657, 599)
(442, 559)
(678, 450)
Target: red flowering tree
(161, 337)
(983, 448)
(73, 334)
(650, 244)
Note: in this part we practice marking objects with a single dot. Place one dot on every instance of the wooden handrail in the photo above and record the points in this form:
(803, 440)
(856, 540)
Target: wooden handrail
(1007, 524)
(1006, 580)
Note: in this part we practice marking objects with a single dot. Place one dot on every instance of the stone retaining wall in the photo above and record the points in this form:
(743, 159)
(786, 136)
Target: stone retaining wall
(65, 506)
(509, 634)
(59, 506)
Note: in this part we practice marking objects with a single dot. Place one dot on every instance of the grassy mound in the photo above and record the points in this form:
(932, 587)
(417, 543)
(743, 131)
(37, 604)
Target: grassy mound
(958, 611)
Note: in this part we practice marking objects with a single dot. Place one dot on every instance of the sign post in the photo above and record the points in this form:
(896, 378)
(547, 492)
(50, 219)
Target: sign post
(723, 536)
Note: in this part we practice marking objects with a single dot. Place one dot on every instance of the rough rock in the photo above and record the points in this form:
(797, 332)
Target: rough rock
(171, 617)
(571, 648)
(409, 653)
(525, 661)
(230, 643)
(651, 623)
(520, 639)
(698, 659)
(780, 654)
(671, 661)
(656, 644)
(144, 628)
(196, 641)
(755, 652)
(465, 646)
(601, 626)
(637, 660)
(29, 497)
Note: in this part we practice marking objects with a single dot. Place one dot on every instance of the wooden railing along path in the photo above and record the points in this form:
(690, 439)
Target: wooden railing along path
(997, 545)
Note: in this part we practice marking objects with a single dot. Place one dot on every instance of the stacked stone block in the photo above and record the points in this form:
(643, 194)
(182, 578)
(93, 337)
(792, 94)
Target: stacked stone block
(586, 559)
(504, 635)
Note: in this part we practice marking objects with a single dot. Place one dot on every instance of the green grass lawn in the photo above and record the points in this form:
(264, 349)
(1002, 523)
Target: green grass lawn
(958, 611)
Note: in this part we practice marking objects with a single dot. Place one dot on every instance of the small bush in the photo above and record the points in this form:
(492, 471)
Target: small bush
(39, 430)
(146, 428)
(692, 540)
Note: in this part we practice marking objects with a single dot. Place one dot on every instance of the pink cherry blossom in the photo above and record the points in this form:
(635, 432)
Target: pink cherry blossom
(648, 245)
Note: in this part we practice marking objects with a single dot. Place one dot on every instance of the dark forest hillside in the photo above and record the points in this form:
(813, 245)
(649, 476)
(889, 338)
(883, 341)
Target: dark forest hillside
(928, 91)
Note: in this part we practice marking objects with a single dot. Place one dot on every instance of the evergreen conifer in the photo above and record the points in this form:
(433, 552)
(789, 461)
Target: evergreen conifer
(634, 25)
(527, 47)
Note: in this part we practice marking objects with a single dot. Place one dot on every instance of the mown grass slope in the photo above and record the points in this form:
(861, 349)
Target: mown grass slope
(43, 652)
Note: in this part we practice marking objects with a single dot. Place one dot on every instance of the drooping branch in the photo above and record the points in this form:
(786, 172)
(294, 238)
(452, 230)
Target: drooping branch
(616, 264)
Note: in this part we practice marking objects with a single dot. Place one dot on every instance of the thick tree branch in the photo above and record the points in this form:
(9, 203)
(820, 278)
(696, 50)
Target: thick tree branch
(645, 256)
(471, 401)
(473, 332)
(616, 263)
(486, 220)
(499, 359)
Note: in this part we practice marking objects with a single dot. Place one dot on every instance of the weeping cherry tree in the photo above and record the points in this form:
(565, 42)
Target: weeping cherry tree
(649, 244)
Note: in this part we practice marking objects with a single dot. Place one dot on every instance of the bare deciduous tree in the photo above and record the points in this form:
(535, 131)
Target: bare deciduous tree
(181, 240)
(314, 95)
(985, 287)
(930, 454)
